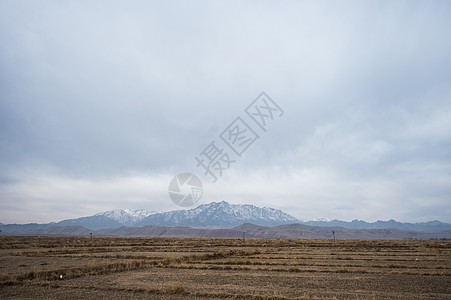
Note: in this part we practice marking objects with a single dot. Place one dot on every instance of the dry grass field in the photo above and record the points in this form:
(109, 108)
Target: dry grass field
(188, 268)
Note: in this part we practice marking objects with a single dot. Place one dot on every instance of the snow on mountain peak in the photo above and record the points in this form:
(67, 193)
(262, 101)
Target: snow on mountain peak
(318, 220)
(220, 214)
(127, 216)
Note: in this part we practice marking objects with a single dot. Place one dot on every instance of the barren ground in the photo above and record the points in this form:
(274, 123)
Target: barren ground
(178, 268)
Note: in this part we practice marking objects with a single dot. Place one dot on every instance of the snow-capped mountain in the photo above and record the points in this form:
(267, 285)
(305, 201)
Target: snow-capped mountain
(127, 217)
(220, 215)
(109, 219)
(215, 215)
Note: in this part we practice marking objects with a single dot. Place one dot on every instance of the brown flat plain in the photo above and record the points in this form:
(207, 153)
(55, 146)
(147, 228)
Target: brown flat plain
(189, 268)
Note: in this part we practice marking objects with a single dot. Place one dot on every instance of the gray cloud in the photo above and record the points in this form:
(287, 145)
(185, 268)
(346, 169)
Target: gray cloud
(101, 96)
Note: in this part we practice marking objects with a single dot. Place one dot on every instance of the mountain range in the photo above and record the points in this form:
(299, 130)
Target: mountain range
(215, 215)
(220, 215)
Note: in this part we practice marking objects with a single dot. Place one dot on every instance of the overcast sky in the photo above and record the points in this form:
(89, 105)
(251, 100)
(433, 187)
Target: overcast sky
(103, 102)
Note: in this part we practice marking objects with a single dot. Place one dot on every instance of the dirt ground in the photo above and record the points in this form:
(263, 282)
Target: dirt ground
(178, 268)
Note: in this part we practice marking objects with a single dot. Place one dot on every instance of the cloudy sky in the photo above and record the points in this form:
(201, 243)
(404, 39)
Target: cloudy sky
(103, 102)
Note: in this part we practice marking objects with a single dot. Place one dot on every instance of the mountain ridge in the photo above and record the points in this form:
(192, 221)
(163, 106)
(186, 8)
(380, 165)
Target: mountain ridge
(126, 216)
(219, 215)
